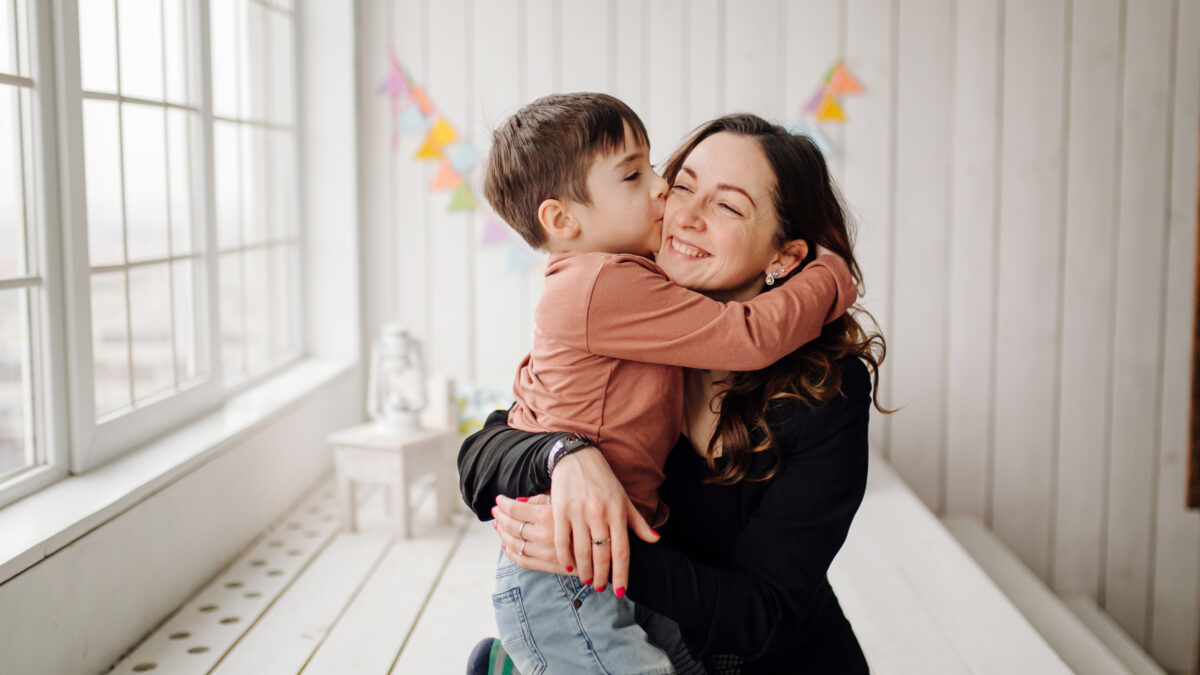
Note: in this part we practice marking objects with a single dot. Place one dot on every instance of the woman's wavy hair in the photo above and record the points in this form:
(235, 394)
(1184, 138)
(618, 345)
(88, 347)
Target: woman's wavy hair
(809, 207)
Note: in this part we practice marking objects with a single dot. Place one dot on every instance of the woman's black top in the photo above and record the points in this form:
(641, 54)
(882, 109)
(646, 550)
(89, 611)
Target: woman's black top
(741, 568)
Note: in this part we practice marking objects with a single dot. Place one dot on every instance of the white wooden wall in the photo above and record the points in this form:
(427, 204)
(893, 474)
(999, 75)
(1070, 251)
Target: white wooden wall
(1023, 173)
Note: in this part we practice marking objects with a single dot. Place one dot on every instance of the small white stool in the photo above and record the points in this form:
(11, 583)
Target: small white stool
(366, 454)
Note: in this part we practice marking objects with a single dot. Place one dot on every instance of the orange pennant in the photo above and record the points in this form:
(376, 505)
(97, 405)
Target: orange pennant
(418, 95)
(447, 178)
(842, 82)
(829, 110)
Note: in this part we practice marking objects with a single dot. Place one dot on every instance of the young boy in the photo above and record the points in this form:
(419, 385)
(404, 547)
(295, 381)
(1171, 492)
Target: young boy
(571, 174)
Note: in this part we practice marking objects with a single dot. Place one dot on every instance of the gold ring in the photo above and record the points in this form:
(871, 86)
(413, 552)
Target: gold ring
(522, 551)
(521, 531)
(600, 542)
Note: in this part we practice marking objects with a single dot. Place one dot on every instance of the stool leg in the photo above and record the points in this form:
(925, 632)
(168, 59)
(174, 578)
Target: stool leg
(402, 506)
(345, 497)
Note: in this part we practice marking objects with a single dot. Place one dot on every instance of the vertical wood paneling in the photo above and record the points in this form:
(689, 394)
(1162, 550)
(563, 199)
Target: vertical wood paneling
(919, 286)
(499, 343)
(705, 61)
(806, 61)
(867, 182)
(584, 46)
(450, 352)
(752, 68)
(379, 303)
(630, 53)
(975, 132)
(1175, 593)
(408, 228)
(1089, 247)
(1137, 348)
(665, 118)
(1027, 300)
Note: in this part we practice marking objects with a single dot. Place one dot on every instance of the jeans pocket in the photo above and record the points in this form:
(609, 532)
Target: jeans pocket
(515, 634)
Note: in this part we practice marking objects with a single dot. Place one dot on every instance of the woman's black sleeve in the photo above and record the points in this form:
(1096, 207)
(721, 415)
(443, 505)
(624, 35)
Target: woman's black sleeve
(761, 602)
(500, 460)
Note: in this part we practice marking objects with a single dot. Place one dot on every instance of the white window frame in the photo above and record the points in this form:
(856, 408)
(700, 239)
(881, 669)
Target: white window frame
(96, 442)
(50, 423)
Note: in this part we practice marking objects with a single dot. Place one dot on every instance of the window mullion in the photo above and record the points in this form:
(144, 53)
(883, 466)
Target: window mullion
(208, 313)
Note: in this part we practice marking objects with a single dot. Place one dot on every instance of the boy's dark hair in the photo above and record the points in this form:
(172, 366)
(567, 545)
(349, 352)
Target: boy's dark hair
(545, 150)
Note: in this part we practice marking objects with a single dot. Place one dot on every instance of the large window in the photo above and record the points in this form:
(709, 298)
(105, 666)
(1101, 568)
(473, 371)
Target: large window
(21, 283)
(179, 262)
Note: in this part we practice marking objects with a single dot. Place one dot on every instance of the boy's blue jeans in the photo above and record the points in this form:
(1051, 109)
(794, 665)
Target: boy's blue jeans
(555, 624)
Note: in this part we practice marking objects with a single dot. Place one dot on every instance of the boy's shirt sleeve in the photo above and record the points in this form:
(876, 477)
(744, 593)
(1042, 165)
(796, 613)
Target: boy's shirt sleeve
(635, 313)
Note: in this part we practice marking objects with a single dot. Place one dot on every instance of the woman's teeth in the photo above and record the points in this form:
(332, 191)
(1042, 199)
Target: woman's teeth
(687, 250)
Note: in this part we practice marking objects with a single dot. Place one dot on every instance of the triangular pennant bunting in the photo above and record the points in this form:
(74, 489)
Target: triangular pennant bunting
(493, 233)
(446, 178)
(462, 155)
(412, 120)
(418, 95)
(464, 199)
(843, 82)
(429, 150)
(442, 133)
(829, 110)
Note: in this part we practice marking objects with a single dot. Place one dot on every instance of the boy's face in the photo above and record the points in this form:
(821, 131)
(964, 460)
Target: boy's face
(627, 197)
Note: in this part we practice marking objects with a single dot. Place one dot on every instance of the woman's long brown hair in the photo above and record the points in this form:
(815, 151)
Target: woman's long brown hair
(809, 207)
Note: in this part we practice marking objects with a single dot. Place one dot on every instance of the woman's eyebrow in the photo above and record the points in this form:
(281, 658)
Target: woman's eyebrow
(721, 186)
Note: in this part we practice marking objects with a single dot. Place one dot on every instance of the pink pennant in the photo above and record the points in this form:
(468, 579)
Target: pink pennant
(493, 232)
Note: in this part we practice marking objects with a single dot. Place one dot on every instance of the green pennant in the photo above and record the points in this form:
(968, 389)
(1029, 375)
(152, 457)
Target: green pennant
(463, 199)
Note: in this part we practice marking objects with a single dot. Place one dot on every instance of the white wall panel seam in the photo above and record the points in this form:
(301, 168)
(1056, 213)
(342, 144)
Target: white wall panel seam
(1001, 50)
(1056, 391)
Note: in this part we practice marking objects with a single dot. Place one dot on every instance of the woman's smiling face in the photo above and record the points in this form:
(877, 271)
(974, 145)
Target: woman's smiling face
(720, 227)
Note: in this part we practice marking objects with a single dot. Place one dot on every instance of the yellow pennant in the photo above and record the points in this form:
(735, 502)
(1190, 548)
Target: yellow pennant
(429, 150)
(443, 133)
(829, 110)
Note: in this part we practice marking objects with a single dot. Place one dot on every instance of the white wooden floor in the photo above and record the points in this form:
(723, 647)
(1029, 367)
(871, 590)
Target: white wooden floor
(311, 598)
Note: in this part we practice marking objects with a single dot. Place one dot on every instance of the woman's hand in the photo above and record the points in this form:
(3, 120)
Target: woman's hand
(590, 505)
(526, 529)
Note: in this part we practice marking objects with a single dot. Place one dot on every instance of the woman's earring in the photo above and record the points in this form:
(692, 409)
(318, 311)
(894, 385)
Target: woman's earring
(772, 276)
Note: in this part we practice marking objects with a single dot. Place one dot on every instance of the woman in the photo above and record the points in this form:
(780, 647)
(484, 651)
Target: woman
(772, 464)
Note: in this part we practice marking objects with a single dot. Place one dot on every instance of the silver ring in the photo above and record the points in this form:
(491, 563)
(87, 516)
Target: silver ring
(522, 551)
(521, 531)
(600, 542)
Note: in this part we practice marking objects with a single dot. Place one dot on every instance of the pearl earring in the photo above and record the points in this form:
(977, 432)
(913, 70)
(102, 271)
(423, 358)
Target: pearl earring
(772, 276)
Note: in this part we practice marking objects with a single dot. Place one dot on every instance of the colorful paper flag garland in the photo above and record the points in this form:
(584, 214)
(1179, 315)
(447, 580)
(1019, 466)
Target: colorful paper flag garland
(823, 105)
(414, 112)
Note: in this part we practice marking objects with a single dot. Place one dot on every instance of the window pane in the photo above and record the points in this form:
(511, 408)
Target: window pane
(180, 169)
(23, 38)
(282, 294)
(254, 51)
(187, 357)
(16, 413)
(102, 162)
(110, 356)
(233, 348)
(150, 319)
(283, 71)
(254, 181)
(223, 22)
(145, 181)
(98, 45)
(177, 15)
(140, 40)
(226, 169)
(258, 309)
(283, 185)
(12, 202)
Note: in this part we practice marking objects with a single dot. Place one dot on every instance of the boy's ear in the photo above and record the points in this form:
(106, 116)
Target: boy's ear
(556, 221)
(790, 256)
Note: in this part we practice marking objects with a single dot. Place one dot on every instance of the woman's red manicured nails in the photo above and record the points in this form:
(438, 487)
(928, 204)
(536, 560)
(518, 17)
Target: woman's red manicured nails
(620, 592)
(600, 589)
(655, 533)
(570, 569)
(587, 582)
(522, 499)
